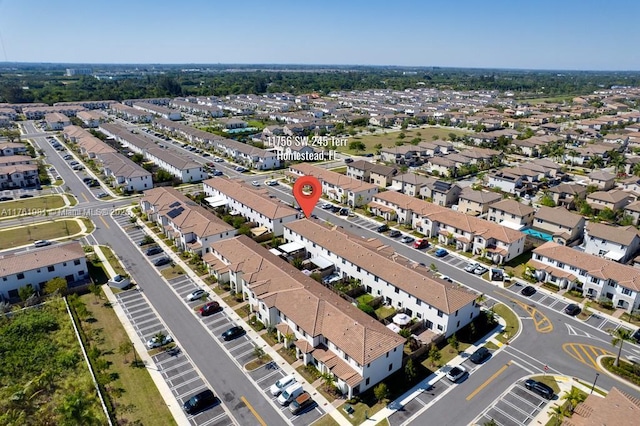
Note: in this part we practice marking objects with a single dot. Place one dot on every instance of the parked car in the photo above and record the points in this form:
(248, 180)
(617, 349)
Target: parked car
(456, 373)
(102, 195)
(153, 250)
(161, 261)
(343, 212)
(26, 196)
(282, 383)
(199, 402)
(41, 243)
(382, 228)
(636, 336)
(480, 270)
(480, 355)
(209, 309)
(420, 243)
(348, 160)
(78, 167)
(290, 393)
(446, 278)
(395, 233)
(196, 294)
(154, 342)
(329, 279)
(528, 291)
(218, 173)
(73, 163)
(68, 157)
(6, 198)
(145, 241)
(335, 209)
(233, 333)
(301, 403)
(407, 239)
(539, 388)
(441, 252)
(471, 267)
(326, 206)
(218, 160)
(272, 183)
(255, 183)
(572, 309)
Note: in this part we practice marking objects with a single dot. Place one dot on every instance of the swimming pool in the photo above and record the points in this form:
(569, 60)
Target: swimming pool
(538, 234)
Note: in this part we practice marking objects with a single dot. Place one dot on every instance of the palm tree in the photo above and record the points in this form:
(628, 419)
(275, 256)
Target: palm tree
(574, 397)
(620, 335)
(76, 409)
(327, 380)
(556, 413)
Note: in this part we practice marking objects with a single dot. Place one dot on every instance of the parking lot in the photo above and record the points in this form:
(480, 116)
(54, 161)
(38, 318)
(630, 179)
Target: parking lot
(416, 404)
(517, 407)
(176, 369)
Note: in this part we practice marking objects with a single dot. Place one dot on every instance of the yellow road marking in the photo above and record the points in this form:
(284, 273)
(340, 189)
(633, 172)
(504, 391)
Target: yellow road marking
(489, 380)
(586, 354)
(104, 221)
(253, 411)
(540, 320)
(85, 197)
(578, 356)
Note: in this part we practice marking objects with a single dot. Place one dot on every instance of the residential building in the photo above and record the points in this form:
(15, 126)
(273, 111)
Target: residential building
(595, 276)
(619, 243)
(475, 202)
(377, 174)
(336, 186)
(633, 210)
(410, 183)
(616, 408)
(13, 160)
(92, 118)
(125, 173)
(36, 112)
(566, 194)
(33, 268)
(56, 121)
(254, 205)
(19, 176)
(511, 213)
(614, 200)
(12, 148)
(441, 193)
(326, 331)
(563, 226)
(603, 180)
(190, 227)
(164, 112)
(441, 306)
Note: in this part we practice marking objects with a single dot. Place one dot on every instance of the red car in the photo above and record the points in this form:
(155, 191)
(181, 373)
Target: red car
(420, 244)
(209, 308)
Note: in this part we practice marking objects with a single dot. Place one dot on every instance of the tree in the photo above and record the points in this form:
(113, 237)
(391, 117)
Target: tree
(95, 290)
(259, 353)
(547, 200)
(378, 148)
(357, 146)
(490, 423)
(327, 379)
(402, 135)
(125, 348)
(76, 410)
(556, 413)
(56, 285)
(574, 397)
(620, 335)
(454, 342)
(381, 392)
(26, 292)
(434, 355)
(410, 370)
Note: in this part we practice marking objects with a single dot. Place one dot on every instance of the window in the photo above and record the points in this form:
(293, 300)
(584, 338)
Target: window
(456, 314)
(51, 268)
(387, 354)
(458, 324)
(346, 357)
(367, 382)
(390, 366)
(594, 280)
(75, 262)
(626, 291)
(439, 327)
(20, 276)
(397, 290)
(418, 302)
(440, 313)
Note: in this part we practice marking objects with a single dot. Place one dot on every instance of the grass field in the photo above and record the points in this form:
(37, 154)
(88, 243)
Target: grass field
(135, 395)
(41, 231)
(26, 206)
(510, 318)
(390, 137)
(113, 260)
(172, 272)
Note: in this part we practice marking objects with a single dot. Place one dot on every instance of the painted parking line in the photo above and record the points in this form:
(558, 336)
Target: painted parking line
(586, 354)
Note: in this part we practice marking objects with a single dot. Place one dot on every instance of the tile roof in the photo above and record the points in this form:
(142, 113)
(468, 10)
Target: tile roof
(511, 206)
(612, 196)
(336, 179)
(617, 408)
(558, 216)
(618, 234)
(39, 258)
(479, 196)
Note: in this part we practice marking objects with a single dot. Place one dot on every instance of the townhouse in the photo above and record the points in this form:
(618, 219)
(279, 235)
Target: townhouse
(190, 227)
(443, 166)
(511, 213)
(159, 110)
(441, 193)
(12, 160)
(130, 114)
(404, 154)
(34, 112)
(326, 331)
(196, 108)
(33, 268)
(125, 173)
(91, 118)
(602, 180)
(617, 407)
(563, 226)
(594, 276)
(633, 210)
(56, 121)
(254, 205)
(19, 176)
(10, 113)
(377, 174)
(618, 243)
(336, 186)
(410, 183)
(12, 148)
(88, 145)
(395, 206)
(442, 307)
(614, 200)
(566, 194)
(475, 202)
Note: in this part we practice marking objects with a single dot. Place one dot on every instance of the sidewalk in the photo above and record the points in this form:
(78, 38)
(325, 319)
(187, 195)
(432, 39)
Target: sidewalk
(251, 333)
(171, 402)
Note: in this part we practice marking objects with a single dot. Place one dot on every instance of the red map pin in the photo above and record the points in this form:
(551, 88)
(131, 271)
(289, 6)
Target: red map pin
(307, 191)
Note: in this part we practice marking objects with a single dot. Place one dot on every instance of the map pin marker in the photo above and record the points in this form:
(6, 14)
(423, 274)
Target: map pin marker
(307, 191)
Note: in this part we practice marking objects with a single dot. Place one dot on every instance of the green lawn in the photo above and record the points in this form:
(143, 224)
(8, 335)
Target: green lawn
(384, 311)
(389, 138)
(325, 420)
(172, 272)
(365, 298)
(549, 381)
(39, 231)
(510, 318)
(35, 205)
(113, 260)
(135, 395)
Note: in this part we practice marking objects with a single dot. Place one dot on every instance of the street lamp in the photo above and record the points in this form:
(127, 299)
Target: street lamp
(594, 382)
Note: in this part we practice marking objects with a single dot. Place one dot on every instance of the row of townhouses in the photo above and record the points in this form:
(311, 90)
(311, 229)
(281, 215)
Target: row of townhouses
(18, 171)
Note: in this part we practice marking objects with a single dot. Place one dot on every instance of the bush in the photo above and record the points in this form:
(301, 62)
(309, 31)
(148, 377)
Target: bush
(367, 309)
(605, 303)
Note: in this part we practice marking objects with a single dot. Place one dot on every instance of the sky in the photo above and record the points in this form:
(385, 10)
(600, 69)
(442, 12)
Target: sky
(534, 34)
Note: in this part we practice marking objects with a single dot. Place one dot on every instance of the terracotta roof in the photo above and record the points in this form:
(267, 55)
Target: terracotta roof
(558, 216)
(513, 207)
(612, 196)
(40, 258)
(483, 197)
(617, 408)
(337, 179)
(618, 234)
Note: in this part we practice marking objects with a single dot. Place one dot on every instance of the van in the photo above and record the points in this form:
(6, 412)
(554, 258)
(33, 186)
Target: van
(299, 404)
(282, 384)
(290, 393)
(199, 402)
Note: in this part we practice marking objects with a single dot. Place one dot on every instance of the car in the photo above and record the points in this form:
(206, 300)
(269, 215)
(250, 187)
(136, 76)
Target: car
(420, 243)
(145, 241)
(407, 239)
(335, 209)
(154, 342)
(240, 169)
(102, 195)
(343, 212)
(26, 196)
(74, 163)
(218, 173)
(209, 309)
(528, 291)
(210, 164)
(153, 250)
(636, 336)
(572, 309)
(233, 333)
(282, 383)
(161, 261)
(480, 270)
(199, 402)
(6, 198)
(539, 388)
(441, 252)
(446, 278)
(326, 206)
(218, 160)
(41, 243)
(196, 294)
(206, 154)
(87, 179)
(480, 355)
(368, 155)
(456, 373)
(382, 228)
(301, 403)
(255, 183)
(471, 267)
(348, 160)
(67, 157)
(78, 167)
(395, 233)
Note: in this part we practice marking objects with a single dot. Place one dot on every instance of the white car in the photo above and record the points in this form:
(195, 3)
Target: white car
(456, 373)
(155, 343)
(255, 183)
(41, 243)
(196, 294)
(283, 383)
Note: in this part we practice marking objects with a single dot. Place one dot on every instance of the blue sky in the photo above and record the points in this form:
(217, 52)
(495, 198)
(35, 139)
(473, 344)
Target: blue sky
(534, 34)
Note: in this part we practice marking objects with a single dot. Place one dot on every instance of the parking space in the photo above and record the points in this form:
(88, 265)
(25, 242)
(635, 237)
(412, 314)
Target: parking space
(417, 403)
(517, 407)
(176, 369)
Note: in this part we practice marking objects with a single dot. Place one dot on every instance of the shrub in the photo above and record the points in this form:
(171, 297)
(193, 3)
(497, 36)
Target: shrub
(366, 309)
